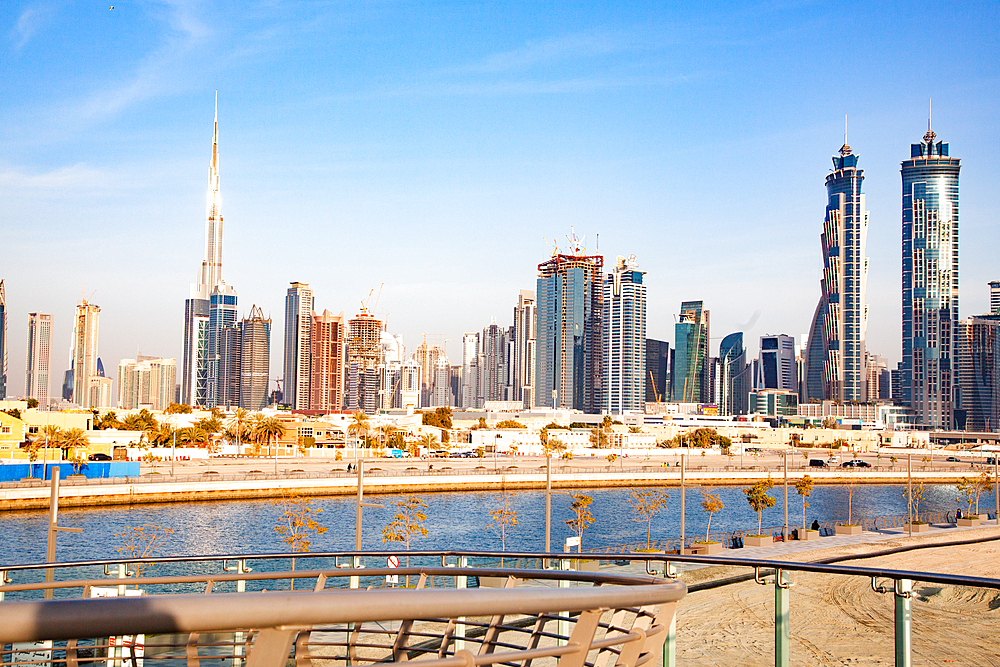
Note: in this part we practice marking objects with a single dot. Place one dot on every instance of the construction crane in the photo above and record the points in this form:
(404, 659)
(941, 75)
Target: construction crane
(365, 310)
(652, 381)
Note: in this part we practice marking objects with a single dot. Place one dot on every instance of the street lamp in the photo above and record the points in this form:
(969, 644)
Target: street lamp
(496, 447)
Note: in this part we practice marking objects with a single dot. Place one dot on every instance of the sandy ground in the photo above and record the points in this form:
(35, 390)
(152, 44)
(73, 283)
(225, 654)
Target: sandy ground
(840, 620)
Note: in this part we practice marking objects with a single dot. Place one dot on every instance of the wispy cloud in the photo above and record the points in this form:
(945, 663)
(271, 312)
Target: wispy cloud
(78, 176)
(161, 71)
(28, 23)
(554, 49)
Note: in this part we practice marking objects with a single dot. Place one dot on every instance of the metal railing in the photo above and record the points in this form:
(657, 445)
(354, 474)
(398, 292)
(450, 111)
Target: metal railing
(603, 620)
(234, 602)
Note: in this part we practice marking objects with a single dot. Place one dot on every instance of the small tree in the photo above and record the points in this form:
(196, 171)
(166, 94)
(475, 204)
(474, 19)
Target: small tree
(297, 524)
(611, 458)
(503, 519)
(917, 496)
(406, 523)
(552, 446)
(582, 518)
(972, 489)
(758, 499)
(142, 541)
(645, 505)
(598, 438)
(804, 488)
(851, 482)
(710, 503)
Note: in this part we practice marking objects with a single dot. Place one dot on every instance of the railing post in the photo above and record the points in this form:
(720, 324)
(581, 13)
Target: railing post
(670, 644)
(356, 564)
(781, 633)
(903, 620)
(241, 587)
(563, 625)
(461, 581)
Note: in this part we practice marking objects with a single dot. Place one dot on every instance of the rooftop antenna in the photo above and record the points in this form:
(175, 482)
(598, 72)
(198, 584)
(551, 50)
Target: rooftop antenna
(928, 114)
(845, 129)
(845, 150)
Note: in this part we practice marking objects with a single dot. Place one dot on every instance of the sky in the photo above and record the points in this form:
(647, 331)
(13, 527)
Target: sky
(431, 150)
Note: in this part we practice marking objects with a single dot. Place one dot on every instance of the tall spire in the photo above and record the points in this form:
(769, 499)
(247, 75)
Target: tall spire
(930, 136)
(211, 267)
(845, 150)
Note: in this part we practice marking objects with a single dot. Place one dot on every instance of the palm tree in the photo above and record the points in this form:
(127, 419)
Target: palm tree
(271, 427)
(238, 426)
(359, 425)
(429, 440)
(73, 438)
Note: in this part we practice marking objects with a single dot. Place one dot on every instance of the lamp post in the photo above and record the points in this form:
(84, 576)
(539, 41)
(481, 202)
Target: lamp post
(496, 447)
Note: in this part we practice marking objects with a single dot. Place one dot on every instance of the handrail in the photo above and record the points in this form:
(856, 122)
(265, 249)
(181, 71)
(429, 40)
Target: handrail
(864, 571)
(158, 614)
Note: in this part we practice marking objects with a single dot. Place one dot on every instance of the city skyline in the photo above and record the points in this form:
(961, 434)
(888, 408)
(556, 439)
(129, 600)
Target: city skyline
(598, 177)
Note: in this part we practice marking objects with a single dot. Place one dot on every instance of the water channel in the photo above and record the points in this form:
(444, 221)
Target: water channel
(455, 520)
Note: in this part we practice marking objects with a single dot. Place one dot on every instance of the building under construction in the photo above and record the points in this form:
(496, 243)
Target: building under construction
(364, 354)
(570, 357)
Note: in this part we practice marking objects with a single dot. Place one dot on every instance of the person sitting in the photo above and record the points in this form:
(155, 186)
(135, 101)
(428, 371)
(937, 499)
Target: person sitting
(815, 524)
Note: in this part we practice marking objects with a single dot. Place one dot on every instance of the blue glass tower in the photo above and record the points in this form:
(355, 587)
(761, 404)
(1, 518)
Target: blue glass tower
(735, 382)
(569, 363)
(624, 339)
(930, 281)
(835, 363)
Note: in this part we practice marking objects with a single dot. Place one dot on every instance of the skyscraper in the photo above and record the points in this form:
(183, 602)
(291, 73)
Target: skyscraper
(326, 383)
(525, 322)
(39, 361)
(492, 363)
(978, 373)
(298, 325)
(691, 336)
(212, 303)
(426, 356)
(3, 341)
(83, 353)
(734, 381)
(995, 297)
(624, 338)
(777, 369)
(930, 281)
(569, 360)
(657, 371)
(840, 322)
(364, 356)
(470, 371)
(244, 362)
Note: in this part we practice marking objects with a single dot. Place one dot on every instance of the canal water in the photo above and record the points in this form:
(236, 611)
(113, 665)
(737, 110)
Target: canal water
(455, 520)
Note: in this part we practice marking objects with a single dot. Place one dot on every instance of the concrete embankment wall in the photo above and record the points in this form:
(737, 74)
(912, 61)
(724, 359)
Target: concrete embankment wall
(86, 495)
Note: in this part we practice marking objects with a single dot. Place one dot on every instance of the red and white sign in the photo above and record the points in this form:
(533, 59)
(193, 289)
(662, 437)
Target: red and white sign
(392, 561)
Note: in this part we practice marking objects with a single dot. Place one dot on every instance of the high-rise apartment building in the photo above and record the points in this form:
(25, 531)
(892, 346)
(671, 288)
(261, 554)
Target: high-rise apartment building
(327, 362)
(624, 386)
(734, 376)
(878, 383)
(426, 356)
(298, 326)
(364, 356)
(777, 368)
(836, 350)
(470, 371)
(492, 363)
(930, 281)
(146, 382)
(691, 337)
(3, 341)
(978, 370)
(569, 359)
(212, 303)
(523, 367)
(409, 386)
(245, 359)
(441, 394)
(83, 353)
(39, 359)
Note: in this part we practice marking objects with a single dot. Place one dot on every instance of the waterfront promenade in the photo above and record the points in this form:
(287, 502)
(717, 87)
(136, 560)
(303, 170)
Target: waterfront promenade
(231, 479)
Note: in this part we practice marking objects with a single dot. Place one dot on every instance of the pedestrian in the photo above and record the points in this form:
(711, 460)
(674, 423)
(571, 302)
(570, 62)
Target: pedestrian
(815, 525)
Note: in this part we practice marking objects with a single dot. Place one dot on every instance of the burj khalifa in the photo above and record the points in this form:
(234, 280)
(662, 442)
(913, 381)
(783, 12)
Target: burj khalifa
(212, 304)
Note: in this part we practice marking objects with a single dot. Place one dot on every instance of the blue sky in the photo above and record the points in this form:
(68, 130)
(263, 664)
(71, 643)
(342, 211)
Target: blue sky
(431, 146)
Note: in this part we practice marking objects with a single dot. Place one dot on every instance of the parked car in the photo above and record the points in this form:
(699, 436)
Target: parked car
(855, 463)
(98, 457)
(954, 459)
(818, 463)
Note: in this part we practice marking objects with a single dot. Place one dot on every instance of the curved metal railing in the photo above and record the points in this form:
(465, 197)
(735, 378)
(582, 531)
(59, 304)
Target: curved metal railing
(575, 618)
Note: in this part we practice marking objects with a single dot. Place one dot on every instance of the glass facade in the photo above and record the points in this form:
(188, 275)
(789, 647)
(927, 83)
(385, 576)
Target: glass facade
(735, 380)
(688, 379)
(569, 356)
(221, 314)
(930, 281)
(978, 344)
(657, 371)
(836, 350)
